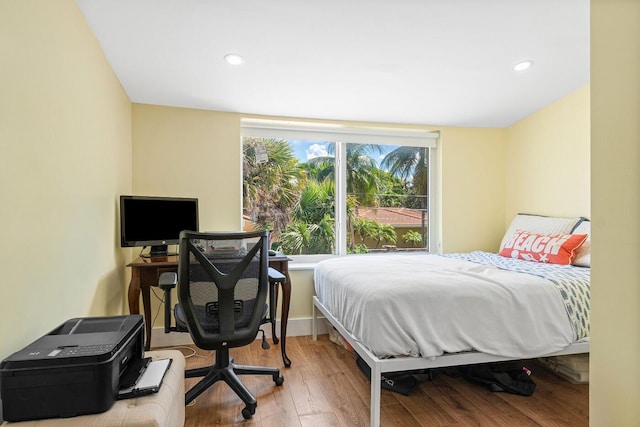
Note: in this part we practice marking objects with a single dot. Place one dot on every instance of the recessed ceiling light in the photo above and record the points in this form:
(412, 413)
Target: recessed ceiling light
(521, 66)
(234, 59)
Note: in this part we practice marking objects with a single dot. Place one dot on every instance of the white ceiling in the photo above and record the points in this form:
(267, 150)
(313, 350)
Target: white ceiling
(433, 62)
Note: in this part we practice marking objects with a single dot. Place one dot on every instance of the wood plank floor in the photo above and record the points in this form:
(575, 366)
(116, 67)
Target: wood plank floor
(325, 388)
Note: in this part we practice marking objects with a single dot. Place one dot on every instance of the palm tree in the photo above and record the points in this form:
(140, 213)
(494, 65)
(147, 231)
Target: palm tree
(316, 200)
(410, 163)
(296, 238)
(272, 187)
(311, 230)
(363, 174)
(319, 168)
(394, 192)
(363, 178)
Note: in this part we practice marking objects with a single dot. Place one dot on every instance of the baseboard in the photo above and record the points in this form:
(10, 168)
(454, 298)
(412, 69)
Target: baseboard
(295, 328)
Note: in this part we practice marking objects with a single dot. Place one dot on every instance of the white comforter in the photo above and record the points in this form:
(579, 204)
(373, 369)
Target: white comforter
(426, 305)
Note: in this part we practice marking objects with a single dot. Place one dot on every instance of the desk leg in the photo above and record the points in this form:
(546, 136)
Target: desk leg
(146, 302)
(274, 337)
(286, 299)
(134, 291)
(134, 303)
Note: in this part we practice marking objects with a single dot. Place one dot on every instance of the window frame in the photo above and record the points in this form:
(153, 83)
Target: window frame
(342, 135)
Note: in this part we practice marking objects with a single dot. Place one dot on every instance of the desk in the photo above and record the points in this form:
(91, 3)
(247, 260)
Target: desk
(146, 271)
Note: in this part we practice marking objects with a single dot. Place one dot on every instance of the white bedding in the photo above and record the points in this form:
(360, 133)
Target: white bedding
(427, 305)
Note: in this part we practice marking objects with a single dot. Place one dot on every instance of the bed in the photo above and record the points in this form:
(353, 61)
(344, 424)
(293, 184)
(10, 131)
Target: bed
(404, 312)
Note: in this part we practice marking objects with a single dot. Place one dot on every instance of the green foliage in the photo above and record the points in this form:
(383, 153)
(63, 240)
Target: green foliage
(359, 249)
(271, 188)
(365, 228)
(412, 237)
(384, 233)
(308, 238)
(312, 228)
(316, 200)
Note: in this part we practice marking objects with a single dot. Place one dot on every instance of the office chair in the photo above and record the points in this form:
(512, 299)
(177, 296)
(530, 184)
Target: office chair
(222, 281)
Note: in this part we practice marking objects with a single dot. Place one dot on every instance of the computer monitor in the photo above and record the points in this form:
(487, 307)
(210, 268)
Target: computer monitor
(156, 221)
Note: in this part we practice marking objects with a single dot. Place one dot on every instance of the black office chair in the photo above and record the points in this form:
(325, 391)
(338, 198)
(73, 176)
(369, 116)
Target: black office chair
(222, 281)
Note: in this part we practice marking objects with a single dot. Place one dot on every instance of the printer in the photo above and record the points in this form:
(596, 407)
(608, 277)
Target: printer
(73, 370)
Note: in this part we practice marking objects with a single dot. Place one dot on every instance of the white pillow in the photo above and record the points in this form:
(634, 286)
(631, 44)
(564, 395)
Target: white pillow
(583, 257)
(539, 224)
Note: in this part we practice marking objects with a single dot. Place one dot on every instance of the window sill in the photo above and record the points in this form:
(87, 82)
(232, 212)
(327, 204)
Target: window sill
(309, 262)
(302, 266)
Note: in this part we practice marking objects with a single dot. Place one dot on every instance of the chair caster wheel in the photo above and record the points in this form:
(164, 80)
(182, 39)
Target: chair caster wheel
(278, 380)
(248, 413)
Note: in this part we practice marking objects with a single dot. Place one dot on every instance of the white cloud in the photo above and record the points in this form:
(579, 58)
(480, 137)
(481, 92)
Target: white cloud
(316, 150)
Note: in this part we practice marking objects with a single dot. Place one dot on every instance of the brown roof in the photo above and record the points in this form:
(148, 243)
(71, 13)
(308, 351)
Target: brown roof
(397, 217)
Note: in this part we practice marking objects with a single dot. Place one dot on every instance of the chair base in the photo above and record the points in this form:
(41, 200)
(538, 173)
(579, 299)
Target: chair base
(226, 370)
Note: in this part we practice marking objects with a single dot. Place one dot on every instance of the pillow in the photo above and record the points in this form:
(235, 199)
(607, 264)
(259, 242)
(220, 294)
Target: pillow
(583, 257)
(547, 248)
(539, 224)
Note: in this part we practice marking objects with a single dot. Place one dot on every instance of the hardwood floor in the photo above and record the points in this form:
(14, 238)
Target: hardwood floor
(325, 388)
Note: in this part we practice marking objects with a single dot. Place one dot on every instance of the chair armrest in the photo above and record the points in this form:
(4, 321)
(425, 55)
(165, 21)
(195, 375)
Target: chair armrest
(167, 281)
(275, 276)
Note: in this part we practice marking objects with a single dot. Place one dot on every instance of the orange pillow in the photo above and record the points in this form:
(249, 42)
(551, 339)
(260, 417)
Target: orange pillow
(547, 248)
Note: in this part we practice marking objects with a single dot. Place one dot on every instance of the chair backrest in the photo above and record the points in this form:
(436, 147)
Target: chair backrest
(223, 285)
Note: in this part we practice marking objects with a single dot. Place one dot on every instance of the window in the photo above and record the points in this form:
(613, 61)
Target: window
(328, 189)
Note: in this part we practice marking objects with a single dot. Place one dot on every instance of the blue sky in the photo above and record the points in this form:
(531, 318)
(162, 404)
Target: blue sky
(305, 150)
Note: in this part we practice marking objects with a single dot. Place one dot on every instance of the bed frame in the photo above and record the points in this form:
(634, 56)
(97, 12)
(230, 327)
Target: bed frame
(378, 366)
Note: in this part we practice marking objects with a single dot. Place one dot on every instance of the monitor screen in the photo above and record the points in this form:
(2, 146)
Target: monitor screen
(156, 221)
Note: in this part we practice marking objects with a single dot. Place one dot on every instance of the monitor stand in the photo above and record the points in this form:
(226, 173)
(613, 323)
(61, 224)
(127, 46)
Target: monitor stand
(158, 251)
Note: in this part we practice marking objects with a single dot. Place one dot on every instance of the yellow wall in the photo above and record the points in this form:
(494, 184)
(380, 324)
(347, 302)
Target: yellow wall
(472, 189)
(65, 139)
(615, 183)
(547, 164)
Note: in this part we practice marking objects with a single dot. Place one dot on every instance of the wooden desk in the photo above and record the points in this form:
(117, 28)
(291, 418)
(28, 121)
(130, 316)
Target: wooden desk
(146, 271)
